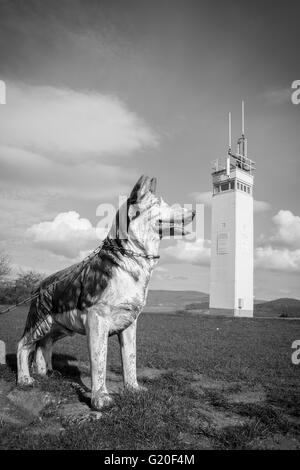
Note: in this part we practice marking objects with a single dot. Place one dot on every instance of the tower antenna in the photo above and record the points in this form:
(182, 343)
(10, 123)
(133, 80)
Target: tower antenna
(229, 146)
(229, 132)
(242, 141)
(243, 118)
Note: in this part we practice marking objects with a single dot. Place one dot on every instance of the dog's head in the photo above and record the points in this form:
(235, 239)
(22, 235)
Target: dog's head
(145, 219)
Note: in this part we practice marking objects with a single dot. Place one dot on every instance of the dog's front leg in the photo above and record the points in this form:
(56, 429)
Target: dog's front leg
(127, 340)
(97, 329)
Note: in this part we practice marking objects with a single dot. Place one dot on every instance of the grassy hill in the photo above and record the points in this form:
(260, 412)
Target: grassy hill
(169, 301)
(173, 298)
(285, 307)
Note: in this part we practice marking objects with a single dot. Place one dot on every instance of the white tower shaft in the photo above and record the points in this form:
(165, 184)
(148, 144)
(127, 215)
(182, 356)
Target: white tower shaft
(231, 275)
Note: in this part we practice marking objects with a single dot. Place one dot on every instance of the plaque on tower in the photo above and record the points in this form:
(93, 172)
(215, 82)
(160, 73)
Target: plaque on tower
(223, 243)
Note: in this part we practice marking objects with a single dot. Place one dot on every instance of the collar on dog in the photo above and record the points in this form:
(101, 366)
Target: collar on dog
(111, 247)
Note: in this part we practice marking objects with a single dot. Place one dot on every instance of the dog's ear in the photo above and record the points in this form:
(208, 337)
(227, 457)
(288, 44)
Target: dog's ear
(153, 185)
(140, 189)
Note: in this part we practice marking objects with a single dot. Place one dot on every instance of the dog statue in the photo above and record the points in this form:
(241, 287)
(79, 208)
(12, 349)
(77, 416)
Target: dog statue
(105, 295)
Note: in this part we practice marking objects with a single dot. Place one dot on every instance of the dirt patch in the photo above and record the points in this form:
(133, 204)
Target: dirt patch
(151, 373)
(247, 396)
(202, 382)
(232, 392)
(205, 417)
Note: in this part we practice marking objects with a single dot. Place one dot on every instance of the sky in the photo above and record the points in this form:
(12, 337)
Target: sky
(100, 92)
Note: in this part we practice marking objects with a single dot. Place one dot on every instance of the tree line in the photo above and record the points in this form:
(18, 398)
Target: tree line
(17, 288)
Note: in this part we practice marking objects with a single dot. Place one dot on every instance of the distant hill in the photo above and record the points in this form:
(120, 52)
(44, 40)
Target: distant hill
(284, 307)
(170, 301)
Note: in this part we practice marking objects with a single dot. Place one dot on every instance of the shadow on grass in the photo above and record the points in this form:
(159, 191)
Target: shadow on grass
(60, 363)
(11, 361)
(64, 376)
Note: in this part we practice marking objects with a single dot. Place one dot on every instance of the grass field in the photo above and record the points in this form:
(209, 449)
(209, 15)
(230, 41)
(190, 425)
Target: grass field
(219, 383)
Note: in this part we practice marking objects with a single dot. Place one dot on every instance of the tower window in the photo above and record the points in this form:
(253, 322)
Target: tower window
(232, 185)
(225, 186)
(238, 185)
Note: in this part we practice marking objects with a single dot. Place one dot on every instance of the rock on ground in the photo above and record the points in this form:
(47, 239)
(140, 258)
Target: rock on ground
(32, 401)
(77, 413)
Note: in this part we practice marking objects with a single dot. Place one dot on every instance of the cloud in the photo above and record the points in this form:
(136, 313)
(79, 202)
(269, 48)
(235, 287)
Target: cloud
(287, 230)
(73, 237)
(71, 125)
(64, 142)
(275, 259)
(67, 234)
(281, 250)
(197, 252)
(87, 181)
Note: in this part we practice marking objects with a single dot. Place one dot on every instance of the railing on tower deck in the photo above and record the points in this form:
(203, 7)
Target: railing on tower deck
(236, 161)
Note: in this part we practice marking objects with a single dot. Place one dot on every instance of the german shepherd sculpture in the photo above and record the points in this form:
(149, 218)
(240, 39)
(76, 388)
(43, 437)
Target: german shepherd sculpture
(105, 295)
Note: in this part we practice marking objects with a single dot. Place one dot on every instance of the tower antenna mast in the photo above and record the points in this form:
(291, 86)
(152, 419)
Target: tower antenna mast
(242, 141)
(229, 146)
(243, 119)
(229, 132)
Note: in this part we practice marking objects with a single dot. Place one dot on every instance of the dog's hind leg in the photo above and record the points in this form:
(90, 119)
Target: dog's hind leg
(43, 355)
(38, 326)
(25, 348)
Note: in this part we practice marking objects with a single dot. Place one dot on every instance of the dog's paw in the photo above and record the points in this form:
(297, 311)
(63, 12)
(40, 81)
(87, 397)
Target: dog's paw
(25, 381)
(136, 388)
(100, 401)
